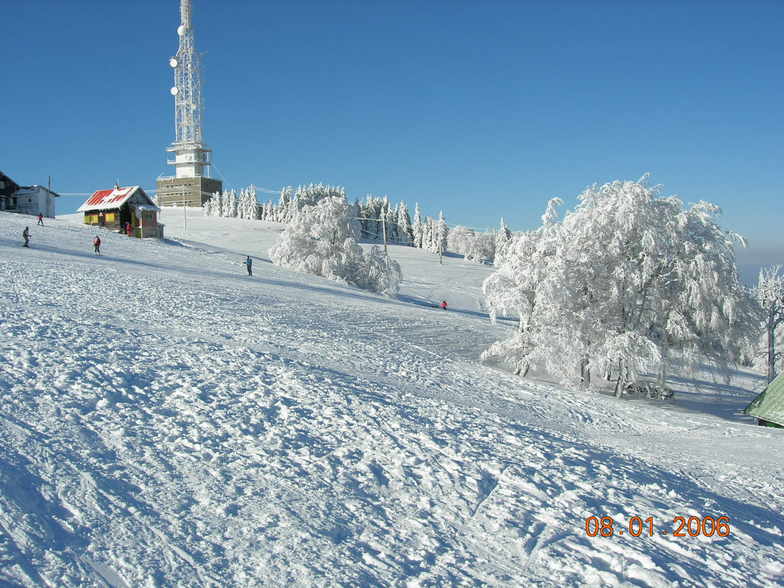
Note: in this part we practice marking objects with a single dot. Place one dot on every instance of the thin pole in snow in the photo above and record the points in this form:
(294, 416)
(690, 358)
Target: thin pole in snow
(384, 226)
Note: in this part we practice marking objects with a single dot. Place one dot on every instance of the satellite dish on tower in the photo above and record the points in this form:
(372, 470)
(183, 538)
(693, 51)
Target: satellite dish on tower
(173, 62)
(181, 30)
(174, 91)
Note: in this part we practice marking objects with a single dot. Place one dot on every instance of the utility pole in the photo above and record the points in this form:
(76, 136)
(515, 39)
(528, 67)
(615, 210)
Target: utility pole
(384, 226)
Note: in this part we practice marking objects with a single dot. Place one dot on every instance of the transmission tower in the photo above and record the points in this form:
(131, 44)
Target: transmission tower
(191, 184)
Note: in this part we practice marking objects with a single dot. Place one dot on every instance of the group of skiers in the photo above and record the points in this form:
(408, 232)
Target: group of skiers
(26, 237)
(97, 248)
(97, 242)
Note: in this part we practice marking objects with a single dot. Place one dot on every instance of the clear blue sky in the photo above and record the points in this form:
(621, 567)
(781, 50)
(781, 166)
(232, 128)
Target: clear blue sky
(482, 109)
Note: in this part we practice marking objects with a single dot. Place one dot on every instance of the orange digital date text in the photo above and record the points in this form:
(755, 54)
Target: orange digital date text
(637, 526)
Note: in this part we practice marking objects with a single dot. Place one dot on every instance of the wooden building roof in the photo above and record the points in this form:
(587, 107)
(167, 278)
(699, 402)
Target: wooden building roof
(114, 198)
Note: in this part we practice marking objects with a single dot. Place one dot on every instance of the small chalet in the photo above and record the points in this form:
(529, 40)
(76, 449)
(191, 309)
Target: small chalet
(117, 208)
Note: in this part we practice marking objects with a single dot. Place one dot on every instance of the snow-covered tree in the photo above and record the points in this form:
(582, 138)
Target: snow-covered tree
(418, 228)
(248, 205)
(405, 231)
(379, 273)
(474, 246)
(770, 296)
(283, 210)
(211, 206)
(625, 280)
(321, 239)
(502, 239)
(442, 234)
(428, 235)
(461, 239)
(516, 288)
(391, 223)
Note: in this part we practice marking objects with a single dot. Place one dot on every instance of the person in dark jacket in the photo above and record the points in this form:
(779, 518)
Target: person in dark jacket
(249, 265)
(41, 219)
(97, 245)
(26, 237)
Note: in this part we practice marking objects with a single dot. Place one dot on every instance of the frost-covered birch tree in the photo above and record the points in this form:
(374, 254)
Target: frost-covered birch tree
(770, 296)
(626, 280)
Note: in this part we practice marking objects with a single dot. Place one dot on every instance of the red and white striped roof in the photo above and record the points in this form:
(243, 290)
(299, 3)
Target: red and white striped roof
(110, 199)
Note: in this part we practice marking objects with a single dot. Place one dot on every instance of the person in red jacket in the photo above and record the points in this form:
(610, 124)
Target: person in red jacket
(128, 229)
(443, 304)
(97, 245)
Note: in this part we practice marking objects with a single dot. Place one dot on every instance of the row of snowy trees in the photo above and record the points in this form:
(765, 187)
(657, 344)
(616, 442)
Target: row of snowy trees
(378, 219)
(293, 200)
(232, 204)
(619, 287)
(320, 239)
(478, 246)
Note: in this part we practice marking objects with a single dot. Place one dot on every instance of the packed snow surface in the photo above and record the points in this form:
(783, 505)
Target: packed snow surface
(168, 420)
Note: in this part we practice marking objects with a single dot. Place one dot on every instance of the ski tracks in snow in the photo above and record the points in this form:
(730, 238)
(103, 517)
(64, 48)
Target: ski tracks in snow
(193, 431)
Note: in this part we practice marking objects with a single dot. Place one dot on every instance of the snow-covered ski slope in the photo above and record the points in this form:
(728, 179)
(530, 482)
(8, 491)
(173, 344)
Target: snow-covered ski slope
(166, 420)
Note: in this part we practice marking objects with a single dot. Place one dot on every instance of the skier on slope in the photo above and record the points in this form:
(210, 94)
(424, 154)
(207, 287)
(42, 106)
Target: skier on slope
(443, 305)
(26, 237)
(40, 219)
(249, 264)
(97, 245)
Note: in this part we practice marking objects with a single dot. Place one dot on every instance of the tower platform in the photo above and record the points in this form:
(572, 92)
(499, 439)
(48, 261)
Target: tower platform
(186, 191)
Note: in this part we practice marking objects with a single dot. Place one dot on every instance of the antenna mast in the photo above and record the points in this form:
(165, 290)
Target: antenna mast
(187, 84)
(192, 158)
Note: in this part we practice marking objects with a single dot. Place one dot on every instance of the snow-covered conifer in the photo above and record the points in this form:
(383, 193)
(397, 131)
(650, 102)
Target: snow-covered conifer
(391, 222)
(404, 224)
(427, 234)
(502, 239)
(418, 228)
(442, 233)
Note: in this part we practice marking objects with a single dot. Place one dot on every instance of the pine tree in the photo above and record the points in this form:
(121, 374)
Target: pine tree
(391, 222)
(442, 234)
(404, 224)
(502, 240)
(418, 228)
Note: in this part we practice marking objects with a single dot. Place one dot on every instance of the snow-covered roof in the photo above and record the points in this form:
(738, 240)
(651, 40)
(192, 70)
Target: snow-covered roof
(110, 199)
(35, 188)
